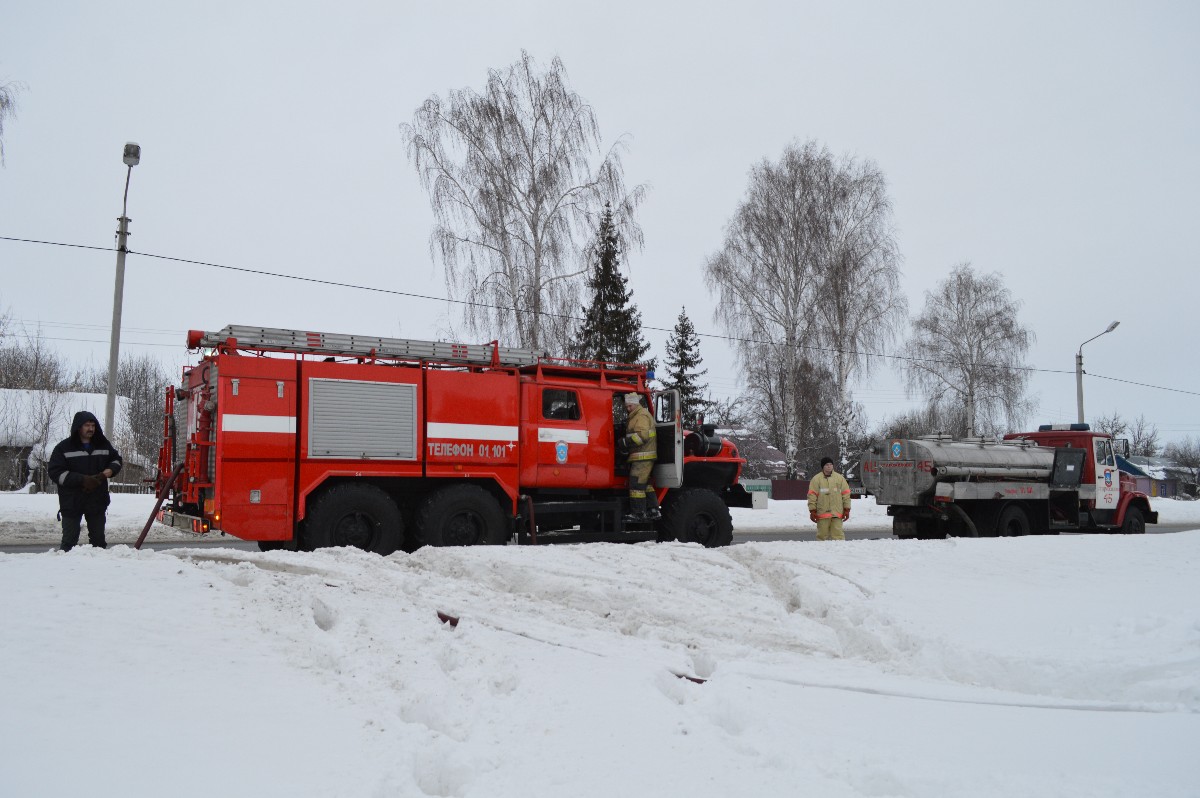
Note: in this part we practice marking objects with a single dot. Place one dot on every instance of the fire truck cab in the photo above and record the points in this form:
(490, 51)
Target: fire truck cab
(304, 440)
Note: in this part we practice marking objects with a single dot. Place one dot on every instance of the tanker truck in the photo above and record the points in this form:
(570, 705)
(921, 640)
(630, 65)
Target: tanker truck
(1062, 478)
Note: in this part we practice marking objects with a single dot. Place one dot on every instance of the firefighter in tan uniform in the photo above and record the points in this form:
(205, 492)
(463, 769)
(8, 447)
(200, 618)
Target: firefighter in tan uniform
(642, 445)
(829, 502)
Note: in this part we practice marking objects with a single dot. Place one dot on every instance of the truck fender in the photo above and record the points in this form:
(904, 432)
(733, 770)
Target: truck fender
(1139, 500)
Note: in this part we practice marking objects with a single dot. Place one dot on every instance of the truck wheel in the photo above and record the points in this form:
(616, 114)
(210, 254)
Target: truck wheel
(350, 514)
(1134, 523)
(699, 516)
(1012, 522)
(462, 515)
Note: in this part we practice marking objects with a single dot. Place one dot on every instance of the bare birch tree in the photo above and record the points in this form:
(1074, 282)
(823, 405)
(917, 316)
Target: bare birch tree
(8, 109)
(1142, 435)
(46, 408)
(1114, 425)
(141, 381)
(809, 414)
(27, 361)
(517, 178)
(860, 302)
(808, 275)
(967, 347)
(1143, 438)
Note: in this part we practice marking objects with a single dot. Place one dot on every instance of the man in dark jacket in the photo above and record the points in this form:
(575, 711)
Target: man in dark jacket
(81, 466)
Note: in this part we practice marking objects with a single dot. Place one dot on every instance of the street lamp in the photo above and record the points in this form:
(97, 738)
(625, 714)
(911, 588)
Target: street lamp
(132, 156)
(1079, 368)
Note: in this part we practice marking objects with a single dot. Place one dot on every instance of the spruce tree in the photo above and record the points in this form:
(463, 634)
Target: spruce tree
(683, 367)
(612, 326)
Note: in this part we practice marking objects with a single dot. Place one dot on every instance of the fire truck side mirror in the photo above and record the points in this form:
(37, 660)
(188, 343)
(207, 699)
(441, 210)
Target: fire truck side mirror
(1121, 446)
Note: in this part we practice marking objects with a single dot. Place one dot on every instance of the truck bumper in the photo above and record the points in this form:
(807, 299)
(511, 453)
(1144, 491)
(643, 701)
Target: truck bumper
(188, 523)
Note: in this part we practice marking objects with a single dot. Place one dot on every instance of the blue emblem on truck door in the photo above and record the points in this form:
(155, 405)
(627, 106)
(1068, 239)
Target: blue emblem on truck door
(560, 451)
(896, 450)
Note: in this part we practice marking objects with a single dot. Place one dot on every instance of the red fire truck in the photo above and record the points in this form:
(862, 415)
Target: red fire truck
(301, 439)
(1062, 478)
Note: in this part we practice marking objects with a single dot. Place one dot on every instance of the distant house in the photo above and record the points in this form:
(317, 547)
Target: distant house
(1163, 477)
(33, 422)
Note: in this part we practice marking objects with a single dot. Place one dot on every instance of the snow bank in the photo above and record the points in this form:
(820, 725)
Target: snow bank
(997, 667)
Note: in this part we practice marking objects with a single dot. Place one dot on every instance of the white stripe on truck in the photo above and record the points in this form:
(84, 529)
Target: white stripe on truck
(233, 422)
(475, 432)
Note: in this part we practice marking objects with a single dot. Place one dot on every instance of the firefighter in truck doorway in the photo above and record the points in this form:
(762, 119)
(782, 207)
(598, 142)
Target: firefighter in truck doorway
(829, 502)
(641, 444)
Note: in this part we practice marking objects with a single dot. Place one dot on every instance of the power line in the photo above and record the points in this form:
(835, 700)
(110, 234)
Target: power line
(469, 303)
(376, 289)
(55, 243)
(1142, 384)
(101, 341)
(72, 325)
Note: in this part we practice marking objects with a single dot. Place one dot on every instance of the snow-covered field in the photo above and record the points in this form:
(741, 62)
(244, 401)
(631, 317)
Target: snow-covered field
(1040, 666)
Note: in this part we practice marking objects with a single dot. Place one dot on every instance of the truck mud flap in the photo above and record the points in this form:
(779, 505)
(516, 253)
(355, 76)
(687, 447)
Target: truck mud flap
(737, 496)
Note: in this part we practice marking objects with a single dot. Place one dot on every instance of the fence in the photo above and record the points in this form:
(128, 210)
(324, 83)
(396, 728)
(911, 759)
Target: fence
(113, 487)
(789, 489)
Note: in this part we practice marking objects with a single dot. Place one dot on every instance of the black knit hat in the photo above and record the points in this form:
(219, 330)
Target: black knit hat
(826, 461)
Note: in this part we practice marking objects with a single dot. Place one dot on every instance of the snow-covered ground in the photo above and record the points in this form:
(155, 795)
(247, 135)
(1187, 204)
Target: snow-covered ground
(1040, 666)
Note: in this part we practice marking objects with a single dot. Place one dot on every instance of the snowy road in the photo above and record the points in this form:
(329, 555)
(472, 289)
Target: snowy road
(30, 520)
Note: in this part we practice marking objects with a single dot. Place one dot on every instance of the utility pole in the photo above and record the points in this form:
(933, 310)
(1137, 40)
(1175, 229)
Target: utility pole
(1079, 369)
(131, 157)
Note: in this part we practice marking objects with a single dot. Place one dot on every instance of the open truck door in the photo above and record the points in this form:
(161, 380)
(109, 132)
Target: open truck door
(668, 424)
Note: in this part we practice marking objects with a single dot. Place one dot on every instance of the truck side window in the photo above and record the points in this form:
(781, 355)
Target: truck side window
(620, 417)
(664, 408)
(560, 404)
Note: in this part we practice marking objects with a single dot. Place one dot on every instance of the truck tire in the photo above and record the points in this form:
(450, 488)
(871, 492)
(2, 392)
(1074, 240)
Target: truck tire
(354, 514)
(461, 515)
(1134, 523)
(1012, 522)
(697, 515)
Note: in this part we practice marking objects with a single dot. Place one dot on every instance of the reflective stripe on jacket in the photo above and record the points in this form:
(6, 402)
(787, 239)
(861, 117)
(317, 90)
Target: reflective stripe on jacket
(828, 496)
(640, 435)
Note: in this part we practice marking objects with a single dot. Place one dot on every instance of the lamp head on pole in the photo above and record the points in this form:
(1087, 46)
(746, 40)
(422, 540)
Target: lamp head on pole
(1111, 327)
(132, 155)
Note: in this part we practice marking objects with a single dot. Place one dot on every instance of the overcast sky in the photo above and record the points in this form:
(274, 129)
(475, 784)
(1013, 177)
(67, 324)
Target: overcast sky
(1053, 143)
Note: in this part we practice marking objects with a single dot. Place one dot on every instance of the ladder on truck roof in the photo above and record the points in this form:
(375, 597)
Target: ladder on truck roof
(318, 343)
